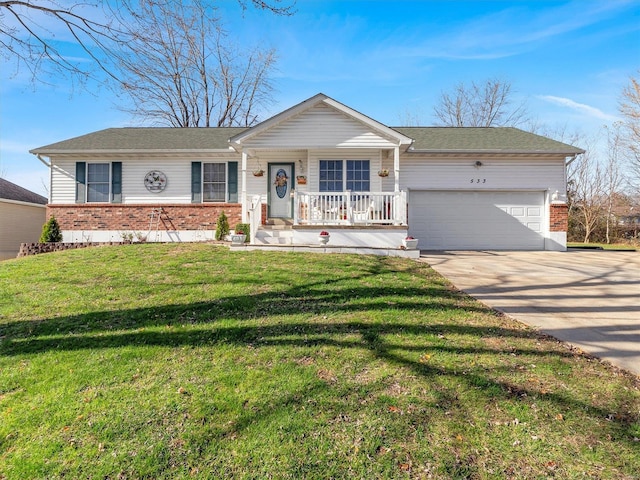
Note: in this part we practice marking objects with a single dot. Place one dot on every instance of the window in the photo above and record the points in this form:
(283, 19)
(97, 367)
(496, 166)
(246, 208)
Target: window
(97, 182)
(214, 181)
(358, 175)
(332, 178)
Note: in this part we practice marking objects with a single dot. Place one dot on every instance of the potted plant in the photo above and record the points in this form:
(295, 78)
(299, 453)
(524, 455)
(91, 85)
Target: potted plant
(238, 237)
(258, 173)
(301, 179)
(384, 172)
(324, 237)
(410, 243)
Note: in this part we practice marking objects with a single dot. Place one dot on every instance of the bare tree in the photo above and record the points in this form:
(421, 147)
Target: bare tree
(613, 177)
(585, 192)
(480, 105)
(32, 31)
(180, 68)
(31, 35)
(629, 107)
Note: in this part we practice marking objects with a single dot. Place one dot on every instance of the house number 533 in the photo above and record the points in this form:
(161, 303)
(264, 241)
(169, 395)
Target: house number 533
(478, 180)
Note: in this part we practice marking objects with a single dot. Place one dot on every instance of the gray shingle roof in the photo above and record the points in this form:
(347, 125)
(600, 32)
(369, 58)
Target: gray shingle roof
(11, 191)
(428, 139)
(143, 138)
(483, 139)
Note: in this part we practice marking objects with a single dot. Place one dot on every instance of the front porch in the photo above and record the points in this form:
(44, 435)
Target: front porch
(376, 220)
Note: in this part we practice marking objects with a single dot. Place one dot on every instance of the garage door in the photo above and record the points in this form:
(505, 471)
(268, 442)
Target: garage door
(452, 220)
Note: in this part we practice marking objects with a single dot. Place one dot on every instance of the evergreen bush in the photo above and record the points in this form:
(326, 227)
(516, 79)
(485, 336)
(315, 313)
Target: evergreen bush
(51, 231)
(222, 227)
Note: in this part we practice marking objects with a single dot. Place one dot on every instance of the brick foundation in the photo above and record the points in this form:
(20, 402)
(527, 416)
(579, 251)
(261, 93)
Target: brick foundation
(559, 217)
(138, 217)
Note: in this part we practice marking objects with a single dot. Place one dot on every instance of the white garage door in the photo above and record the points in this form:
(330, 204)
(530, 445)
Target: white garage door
(454, 220)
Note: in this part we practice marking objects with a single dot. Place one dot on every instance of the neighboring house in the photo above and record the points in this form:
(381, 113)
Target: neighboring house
(22, 215)
(319, 165)
(626, 213)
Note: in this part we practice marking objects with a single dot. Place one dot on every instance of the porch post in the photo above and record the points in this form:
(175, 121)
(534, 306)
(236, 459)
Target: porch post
(397, 207)
(396, 169)
(243, 190)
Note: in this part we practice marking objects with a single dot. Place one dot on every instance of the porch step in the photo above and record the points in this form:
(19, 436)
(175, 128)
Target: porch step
(279, 222)
(274, 235)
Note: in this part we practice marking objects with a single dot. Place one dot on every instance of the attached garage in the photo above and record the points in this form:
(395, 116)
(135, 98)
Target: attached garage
(477, 220)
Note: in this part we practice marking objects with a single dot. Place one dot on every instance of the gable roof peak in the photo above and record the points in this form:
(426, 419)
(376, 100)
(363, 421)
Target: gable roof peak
(237, 140)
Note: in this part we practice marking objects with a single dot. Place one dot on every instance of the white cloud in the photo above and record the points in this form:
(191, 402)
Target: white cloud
(579, 107)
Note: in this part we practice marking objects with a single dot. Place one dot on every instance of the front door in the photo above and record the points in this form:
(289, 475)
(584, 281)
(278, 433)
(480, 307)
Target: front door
(280, 181)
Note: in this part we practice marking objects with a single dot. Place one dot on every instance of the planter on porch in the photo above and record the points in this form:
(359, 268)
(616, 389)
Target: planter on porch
(410, 243)
(323, 237)
(238, 238)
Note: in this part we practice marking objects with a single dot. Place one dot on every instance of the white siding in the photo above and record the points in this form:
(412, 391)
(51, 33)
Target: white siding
(178, 189)
(177, 170)
(19, 224)
(454, 174)
(63, 181)
(319, 127)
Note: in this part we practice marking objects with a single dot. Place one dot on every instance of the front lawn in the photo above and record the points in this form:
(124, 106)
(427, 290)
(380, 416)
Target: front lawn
(190, 361)
(603, 246)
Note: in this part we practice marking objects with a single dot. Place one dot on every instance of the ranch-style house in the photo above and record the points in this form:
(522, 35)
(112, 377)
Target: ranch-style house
(319, 165)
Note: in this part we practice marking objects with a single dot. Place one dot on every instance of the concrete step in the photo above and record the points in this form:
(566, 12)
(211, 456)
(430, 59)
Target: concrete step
(274, 236)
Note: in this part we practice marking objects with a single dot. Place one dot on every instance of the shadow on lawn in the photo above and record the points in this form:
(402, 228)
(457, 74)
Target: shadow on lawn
(408, 321)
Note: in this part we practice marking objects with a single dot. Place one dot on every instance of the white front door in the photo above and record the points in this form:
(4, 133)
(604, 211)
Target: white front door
(281, 181)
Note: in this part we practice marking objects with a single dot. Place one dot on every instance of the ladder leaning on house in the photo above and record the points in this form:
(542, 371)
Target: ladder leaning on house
(154, 223)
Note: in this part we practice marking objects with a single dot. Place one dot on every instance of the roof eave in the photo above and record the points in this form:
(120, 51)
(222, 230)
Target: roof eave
(156, 151)
(495, 151)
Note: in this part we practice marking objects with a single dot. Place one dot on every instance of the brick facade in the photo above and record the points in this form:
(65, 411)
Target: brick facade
(139, 217)
(559, 217)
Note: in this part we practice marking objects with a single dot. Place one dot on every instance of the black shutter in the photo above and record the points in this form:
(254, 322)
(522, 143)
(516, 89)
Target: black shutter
(116, 182)
(196, 182)
(81, 182)
(232, 181)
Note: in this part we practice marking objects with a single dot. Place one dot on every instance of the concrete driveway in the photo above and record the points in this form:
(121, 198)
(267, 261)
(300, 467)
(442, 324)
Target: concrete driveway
(589, 298)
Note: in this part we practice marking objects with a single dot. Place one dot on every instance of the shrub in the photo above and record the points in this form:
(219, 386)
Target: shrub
(51, 231)
(222, 227)
(244, 228)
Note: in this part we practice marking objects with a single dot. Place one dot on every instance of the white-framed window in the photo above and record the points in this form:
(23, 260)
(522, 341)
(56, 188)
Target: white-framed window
(341, 175)
(214, 182)
(98, 182)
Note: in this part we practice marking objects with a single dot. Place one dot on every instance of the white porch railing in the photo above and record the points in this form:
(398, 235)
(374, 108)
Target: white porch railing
(350, 208)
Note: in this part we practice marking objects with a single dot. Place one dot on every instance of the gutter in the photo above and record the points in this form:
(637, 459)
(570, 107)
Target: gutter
(573, 158)
(39, 157)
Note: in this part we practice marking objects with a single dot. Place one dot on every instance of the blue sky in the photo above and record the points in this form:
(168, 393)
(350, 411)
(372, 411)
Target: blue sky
(568, 60)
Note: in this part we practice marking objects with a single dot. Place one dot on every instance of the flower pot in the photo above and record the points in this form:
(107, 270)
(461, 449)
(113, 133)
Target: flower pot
(323, 239)
(383, 173)
(410, 244)
(258, 173)
(238, 238)
(301, 180)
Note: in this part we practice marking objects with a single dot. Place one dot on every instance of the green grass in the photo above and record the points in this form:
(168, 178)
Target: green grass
(603, 246)
(190, 361)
